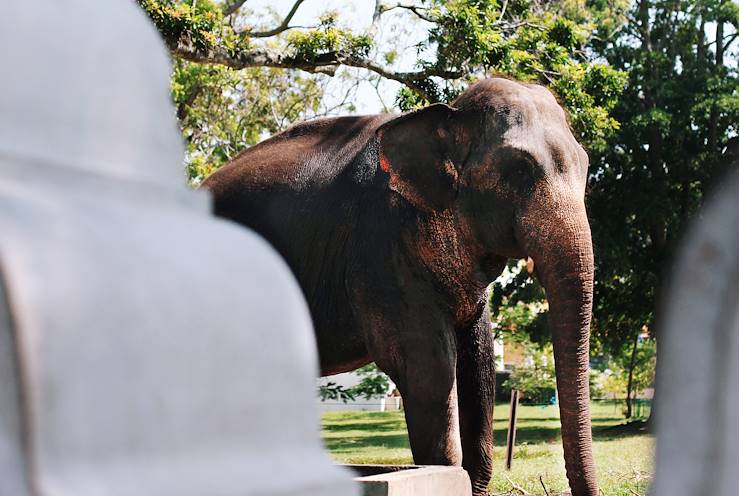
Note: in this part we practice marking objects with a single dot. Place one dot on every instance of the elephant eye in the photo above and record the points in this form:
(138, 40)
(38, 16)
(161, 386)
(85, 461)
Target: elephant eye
(520, 172)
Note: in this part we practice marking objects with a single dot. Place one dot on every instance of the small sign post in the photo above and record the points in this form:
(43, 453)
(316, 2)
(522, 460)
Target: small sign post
(511, 438)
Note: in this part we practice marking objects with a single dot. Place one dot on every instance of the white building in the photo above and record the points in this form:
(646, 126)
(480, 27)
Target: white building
(348, 380)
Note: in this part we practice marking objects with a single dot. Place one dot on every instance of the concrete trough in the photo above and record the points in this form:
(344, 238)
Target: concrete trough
(412, 480)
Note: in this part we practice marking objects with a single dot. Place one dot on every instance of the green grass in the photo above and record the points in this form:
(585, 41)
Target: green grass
(623, 455)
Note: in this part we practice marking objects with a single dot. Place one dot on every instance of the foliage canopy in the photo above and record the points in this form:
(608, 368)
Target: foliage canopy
(466, 40)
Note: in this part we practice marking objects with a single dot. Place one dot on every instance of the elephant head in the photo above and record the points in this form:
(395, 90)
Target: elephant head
(503, 160)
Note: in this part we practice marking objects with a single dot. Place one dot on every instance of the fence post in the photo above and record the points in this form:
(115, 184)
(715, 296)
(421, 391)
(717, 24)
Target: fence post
(511, 438)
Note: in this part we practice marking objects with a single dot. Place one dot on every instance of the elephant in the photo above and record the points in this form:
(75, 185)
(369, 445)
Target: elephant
(395, 225)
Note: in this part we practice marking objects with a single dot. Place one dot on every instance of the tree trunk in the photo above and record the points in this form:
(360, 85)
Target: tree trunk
(701, 48)
(713, 130)
(658, 221)
(653, 406)
(630, 384)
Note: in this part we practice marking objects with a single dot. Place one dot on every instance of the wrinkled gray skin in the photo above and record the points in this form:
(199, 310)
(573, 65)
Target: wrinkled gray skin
(394, 227)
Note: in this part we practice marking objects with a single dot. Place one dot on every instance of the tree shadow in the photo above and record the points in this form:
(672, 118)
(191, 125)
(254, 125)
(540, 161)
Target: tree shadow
(351, 443)
(626, 429)
(527, 434)
(529, 419)
(371, 426)
(527, 430)
(390, 432)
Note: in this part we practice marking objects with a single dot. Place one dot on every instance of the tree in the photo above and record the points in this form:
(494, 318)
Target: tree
(518, 305)
(529, 40)
(373, 384)
(628, 374)
(679, 112)
(535, 378)
(222, 111)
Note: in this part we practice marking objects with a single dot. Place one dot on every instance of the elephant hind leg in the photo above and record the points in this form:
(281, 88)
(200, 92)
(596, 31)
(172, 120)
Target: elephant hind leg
(476, 391)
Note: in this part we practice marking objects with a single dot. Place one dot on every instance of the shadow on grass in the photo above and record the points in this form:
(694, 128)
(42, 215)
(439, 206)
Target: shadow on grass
(547, 434)
(389, 432)
(390, 441)
(366, 426)
(499, 418)
(625, 429)
(555, 421)
(529, 435)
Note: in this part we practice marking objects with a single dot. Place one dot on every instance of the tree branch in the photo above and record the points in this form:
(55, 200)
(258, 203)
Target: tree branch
(325, 63)
(417, 10)
(512, 26)
(731, 40)
(283, 26)
(376, 13)
(184, 106)
(502, 10)
(231, 6)
(731, 37)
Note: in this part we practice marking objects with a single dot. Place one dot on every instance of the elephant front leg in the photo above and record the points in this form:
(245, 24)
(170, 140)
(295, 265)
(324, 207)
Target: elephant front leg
(476, 391)
(426, 379)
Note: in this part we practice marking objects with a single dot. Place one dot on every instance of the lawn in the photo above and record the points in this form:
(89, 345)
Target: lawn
(623, 455)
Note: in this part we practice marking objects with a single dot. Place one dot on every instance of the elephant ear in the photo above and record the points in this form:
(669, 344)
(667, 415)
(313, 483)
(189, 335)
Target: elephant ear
(422, 152)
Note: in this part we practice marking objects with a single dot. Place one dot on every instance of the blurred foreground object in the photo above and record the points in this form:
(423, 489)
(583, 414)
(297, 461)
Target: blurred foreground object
(145, 348)
(698, 448)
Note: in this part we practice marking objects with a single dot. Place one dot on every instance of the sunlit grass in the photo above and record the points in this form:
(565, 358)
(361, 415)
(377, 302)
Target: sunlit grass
(623, 456)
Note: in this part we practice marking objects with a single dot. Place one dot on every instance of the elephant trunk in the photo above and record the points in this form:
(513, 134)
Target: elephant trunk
(562, 251)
